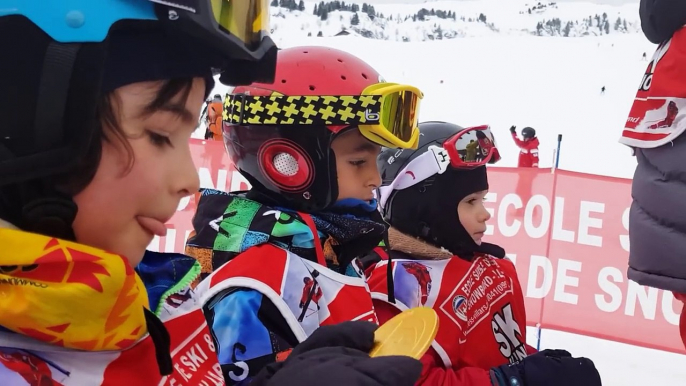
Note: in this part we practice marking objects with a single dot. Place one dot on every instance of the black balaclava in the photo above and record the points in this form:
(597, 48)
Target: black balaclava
(428, 210)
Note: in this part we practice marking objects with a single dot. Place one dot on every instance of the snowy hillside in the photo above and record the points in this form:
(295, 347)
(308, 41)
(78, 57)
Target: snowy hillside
(438, 20)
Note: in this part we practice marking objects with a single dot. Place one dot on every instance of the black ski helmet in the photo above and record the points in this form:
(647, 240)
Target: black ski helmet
(528, 133)
(424, 210)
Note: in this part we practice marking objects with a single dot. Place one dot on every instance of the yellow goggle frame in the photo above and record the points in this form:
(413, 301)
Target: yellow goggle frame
(385, 113)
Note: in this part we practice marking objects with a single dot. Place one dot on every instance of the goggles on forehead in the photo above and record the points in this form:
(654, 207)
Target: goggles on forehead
(236, 29)
(385, 113)
(468, 149)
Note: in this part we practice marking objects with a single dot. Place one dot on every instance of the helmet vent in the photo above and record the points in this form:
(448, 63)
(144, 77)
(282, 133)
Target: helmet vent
(312, 88)
(343, 77)
(340, 60)
(285, 164)
(364, 75)
(283, 80)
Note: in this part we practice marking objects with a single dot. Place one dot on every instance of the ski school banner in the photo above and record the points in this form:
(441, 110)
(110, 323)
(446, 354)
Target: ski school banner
(567, 234)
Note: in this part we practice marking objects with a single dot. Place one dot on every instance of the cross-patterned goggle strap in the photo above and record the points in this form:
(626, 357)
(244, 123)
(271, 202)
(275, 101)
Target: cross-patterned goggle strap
(242, 109)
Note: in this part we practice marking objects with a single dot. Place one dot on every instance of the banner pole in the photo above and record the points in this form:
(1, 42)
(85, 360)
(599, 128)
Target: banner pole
(550, 230)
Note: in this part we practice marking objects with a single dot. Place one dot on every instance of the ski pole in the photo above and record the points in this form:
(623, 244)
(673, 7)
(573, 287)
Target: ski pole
(538, 336)
(557, 155)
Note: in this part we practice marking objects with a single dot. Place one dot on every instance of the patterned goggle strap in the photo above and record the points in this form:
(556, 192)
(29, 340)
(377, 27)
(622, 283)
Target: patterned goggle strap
(242, 109)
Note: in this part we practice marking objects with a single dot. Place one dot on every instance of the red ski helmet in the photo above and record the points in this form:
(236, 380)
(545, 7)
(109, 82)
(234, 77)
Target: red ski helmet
(293, 164)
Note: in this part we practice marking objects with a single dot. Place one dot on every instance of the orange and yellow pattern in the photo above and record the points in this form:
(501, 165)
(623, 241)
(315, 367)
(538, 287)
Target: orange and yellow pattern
(69, 294)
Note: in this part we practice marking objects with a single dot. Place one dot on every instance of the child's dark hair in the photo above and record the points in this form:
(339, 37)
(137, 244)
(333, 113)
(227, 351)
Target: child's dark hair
(13, 197)
(109, 129)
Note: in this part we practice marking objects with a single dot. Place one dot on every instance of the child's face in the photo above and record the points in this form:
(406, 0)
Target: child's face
(126, 204)
(473, 215)
(358, 175)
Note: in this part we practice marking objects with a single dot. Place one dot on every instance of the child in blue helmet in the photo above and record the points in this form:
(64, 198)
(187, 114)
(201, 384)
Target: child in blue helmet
(94, 159)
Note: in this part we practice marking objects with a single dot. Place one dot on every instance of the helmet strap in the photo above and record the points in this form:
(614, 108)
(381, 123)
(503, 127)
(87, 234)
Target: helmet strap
(58, 67)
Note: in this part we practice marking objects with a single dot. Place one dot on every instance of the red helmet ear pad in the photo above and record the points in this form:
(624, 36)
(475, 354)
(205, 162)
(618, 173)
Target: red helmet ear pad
(286, 165)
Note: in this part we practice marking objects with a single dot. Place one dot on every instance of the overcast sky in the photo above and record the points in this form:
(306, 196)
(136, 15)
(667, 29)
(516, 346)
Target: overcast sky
(614, 2)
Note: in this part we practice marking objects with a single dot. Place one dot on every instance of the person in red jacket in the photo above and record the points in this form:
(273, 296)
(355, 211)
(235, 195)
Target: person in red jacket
(528, 147)
(214, 118)
(433, 200)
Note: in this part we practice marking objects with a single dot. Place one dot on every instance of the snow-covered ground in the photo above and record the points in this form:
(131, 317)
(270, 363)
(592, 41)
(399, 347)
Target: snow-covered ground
(553, 85)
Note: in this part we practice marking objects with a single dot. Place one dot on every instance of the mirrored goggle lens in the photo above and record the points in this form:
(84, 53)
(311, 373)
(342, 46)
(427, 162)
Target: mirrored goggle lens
(399, 113)
(246, 19)
(474, 146)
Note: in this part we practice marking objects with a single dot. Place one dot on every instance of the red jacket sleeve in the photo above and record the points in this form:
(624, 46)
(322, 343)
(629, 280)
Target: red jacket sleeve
(521, 144)
(433, 372)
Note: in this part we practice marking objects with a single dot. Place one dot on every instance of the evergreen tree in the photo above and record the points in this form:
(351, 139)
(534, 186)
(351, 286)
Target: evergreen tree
(320, 34)
(355, 20)
(607, 28)
(482, 18)
(301, 6)
(275, 3)
(567, 29)
(316, 11)
(325, 15)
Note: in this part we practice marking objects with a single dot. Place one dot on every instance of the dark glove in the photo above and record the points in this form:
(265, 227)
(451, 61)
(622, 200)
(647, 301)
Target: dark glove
(338, 355)
(513, 129)
(356, 335)
(548, 367)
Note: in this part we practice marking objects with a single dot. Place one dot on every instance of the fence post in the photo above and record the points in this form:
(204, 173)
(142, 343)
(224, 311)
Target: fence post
(550, 232)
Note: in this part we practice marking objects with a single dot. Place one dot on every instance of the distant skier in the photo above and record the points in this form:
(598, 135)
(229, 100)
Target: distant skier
(602, 90)
(645, 57)
(528, 147)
